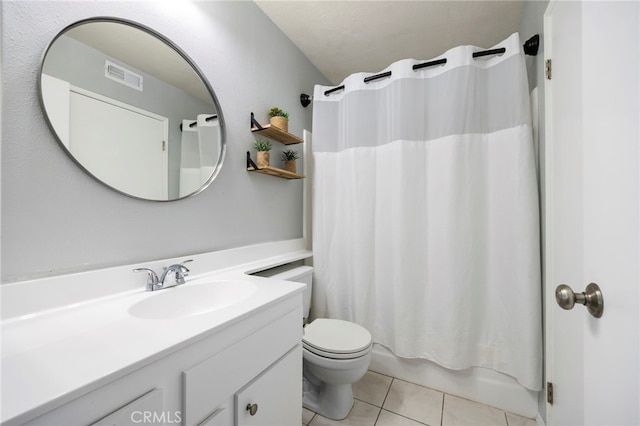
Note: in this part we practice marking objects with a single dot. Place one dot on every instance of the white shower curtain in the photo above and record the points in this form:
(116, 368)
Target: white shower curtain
(190, 174)
(209, 145)
(426, 228)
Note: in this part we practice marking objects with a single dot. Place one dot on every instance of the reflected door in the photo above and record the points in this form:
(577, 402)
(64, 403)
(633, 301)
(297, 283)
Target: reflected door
(123, 146)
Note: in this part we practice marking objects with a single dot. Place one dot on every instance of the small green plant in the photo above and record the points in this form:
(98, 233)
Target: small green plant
(290, 155)
(277, 112)
(262, 145)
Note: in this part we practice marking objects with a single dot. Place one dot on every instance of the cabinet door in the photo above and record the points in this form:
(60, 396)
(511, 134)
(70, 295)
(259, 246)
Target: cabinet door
(211, 382)
(275, 395)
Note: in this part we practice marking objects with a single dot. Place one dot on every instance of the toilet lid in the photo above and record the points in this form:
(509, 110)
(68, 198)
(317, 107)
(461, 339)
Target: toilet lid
(331, 336)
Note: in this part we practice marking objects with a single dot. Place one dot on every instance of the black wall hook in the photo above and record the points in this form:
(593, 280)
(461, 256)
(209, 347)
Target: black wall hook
(305, 99)
(531, 46)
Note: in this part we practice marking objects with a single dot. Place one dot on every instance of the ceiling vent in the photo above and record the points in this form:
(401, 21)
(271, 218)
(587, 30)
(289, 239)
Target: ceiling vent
(122, 75)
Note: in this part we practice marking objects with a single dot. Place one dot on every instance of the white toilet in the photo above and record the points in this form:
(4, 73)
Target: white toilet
(336, 354)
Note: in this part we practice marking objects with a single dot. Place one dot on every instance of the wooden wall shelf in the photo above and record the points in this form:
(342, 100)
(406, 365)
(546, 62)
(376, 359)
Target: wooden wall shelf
(271, 171)
(274, 133)
(274, 171)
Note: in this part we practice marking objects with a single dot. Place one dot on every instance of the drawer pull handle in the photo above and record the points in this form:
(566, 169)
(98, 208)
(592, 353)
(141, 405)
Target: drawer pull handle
(252, 409)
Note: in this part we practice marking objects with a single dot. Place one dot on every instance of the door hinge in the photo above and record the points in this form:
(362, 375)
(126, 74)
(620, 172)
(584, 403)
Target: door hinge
(164, 145)
(547, 69)
(550, 393)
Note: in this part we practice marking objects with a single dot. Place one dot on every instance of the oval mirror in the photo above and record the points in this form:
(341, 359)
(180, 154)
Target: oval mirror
(132, 109)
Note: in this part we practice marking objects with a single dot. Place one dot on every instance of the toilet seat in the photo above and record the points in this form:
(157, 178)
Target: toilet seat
(336, 339)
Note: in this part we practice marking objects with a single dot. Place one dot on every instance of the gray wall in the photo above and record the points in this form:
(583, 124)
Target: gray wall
(56, 219)
(532, 23)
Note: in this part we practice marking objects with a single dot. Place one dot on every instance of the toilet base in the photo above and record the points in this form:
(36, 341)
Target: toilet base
(331, 401)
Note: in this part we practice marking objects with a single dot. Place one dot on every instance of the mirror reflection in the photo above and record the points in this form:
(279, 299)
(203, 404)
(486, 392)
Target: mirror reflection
(132, 110)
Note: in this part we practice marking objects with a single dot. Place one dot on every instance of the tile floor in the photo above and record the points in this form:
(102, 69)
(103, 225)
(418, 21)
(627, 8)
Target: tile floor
(386, 401)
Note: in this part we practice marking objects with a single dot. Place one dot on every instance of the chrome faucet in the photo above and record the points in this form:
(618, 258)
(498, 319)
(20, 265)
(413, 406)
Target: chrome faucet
(177, 271)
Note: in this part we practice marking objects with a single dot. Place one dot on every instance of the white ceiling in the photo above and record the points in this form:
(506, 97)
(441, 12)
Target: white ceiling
(344, 37)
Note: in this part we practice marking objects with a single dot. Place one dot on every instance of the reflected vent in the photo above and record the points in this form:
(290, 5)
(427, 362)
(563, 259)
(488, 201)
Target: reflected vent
(122, 75)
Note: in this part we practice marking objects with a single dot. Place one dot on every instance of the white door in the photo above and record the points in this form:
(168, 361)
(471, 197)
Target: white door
(121, 145)
(592, 212)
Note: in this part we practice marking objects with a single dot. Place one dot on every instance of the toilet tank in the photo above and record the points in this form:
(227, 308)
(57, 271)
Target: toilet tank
(299, 274)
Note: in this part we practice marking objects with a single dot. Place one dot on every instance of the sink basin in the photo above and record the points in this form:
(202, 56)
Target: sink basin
(192, 299)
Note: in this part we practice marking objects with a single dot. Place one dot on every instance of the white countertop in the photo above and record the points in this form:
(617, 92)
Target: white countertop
(52, 356)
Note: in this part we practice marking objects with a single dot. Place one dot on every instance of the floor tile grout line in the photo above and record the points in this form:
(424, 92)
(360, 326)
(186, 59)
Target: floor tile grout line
(378, 416)
(312, 417)
(366, 402)
(383, 401)
(391, 411)
(403, 416)
(388, 390)
(442, 409)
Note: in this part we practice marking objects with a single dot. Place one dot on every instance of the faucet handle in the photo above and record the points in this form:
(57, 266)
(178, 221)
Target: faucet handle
(182, 271)
(152, 277)
(183, 268)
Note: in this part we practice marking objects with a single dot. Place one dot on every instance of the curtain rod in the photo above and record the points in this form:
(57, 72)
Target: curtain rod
(530, 48)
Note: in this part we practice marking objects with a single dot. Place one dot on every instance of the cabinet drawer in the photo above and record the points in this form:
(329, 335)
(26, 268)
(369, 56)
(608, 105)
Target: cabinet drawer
(209, 383)
(221, 416)
(147, 409)
(275, 397)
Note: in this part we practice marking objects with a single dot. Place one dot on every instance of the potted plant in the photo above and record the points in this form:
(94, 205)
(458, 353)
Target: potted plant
(279, 119)
(262, 157)
(289, 157)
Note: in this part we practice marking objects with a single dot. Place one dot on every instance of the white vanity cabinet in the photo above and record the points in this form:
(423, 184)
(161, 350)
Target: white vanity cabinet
(264, 369)
(208, 380)
(272, 398)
